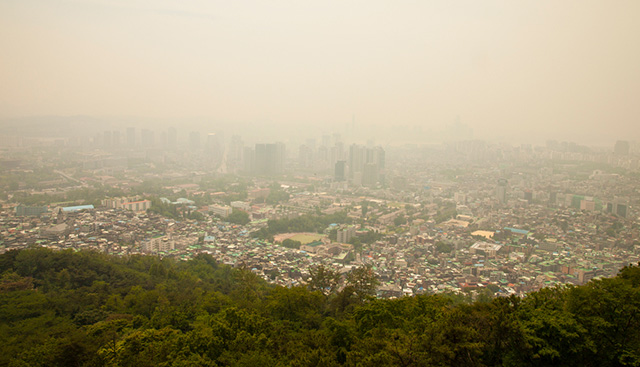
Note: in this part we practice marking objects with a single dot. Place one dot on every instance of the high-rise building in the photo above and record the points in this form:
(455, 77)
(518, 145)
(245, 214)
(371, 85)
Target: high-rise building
(375, 155)
(356, 160)
(370, 174)
(618, 207)
(345, 234)
(116, 139)
(325, 140)
(260, 165)
(249, 160)
(194, 141)
(305, 156)
(323, 154)
(621, 147)
(131, 137)
(213, 149)
(164, 142)
(366, 164)
(340, 171)
(621, 210)
(172, 138)
(234, 155)
(276, 153)
(147, 139)
(106, 139)
(269, 159)
(501, 190)
(311, 143)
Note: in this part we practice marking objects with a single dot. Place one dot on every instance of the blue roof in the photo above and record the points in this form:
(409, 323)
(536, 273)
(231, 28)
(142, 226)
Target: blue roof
(516, 230)
(76, 208)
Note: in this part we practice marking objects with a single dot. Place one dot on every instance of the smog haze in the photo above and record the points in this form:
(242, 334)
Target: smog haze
(524, 71)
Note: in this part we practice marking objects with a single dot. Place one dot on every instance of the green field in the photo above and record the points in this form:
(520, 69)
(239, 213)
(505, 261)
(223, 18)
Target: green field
(305, 238)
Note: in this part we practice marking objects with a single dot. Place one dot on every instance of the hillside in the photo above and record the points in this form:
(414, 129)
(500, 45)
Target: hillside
(89, 309)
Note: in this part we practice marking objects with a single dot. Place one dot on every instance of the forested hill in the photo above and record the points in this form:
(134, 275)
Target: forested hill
(87, 309)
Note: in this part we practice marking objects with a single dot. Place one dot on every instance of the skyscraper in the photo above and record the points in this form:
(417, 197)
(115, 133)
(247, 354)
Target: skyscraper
(621, 147)
(234, 157)
(618, 207)
(194, 141)
(370, 174)
(269, 159)
(340, 172)
(147, 138)
(501, 190)
(356, 160)
(116, 139)
(106, 139)
(131, 137)
(249, 160)
(172, 138)
(366, 164)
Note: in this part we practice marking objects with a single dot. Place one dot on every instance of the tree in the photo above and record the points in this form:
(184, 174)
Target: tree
(368, 237)
(443, 247)
(60, 308)
(333, 234)
(400, 220)
(238, 217)
(196, 215)
(289, 243)
(365, 208)
(323, 279)
(609, 310)
(295, 304)
(277, 196)
(364, 282)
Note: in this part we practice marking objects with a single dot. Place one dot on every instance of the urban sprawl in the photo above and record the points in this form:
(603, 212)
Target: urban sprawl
(466, 217)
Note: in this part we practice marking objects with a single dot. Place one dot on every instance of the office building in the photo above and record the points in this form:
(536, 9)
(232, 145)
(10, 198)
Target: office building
(131, 137)
(194, 141)
(621, 147)
(147, 138)
(269, 159)
(340, 171)
(356, 160)
(346, 234)
(617, 207)
(172, 138)
(501, 191)
(370, 174)
(221, 210)
(28, 211)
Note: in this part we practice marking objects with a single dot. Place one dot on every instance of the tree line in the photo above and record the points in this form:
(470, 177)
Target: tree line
(89, 309)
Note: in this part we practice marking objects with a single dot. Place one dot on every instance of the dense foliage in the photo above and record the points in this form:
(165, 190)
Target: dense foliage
(289, 243)
(238, 217)
(88, 309)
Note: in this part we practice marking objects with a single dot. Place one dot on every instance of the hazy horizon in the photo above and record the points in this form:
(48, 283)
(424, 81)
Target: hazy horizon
(526, 71)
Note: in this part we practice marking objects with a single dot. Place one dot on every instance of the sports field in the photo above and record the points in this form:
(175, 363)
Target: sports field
(303, 238)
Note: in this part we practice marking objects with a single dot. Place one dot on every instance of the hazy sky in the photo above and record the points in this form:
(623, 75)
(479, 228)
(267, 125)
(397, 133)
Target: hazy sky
(504, 67)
